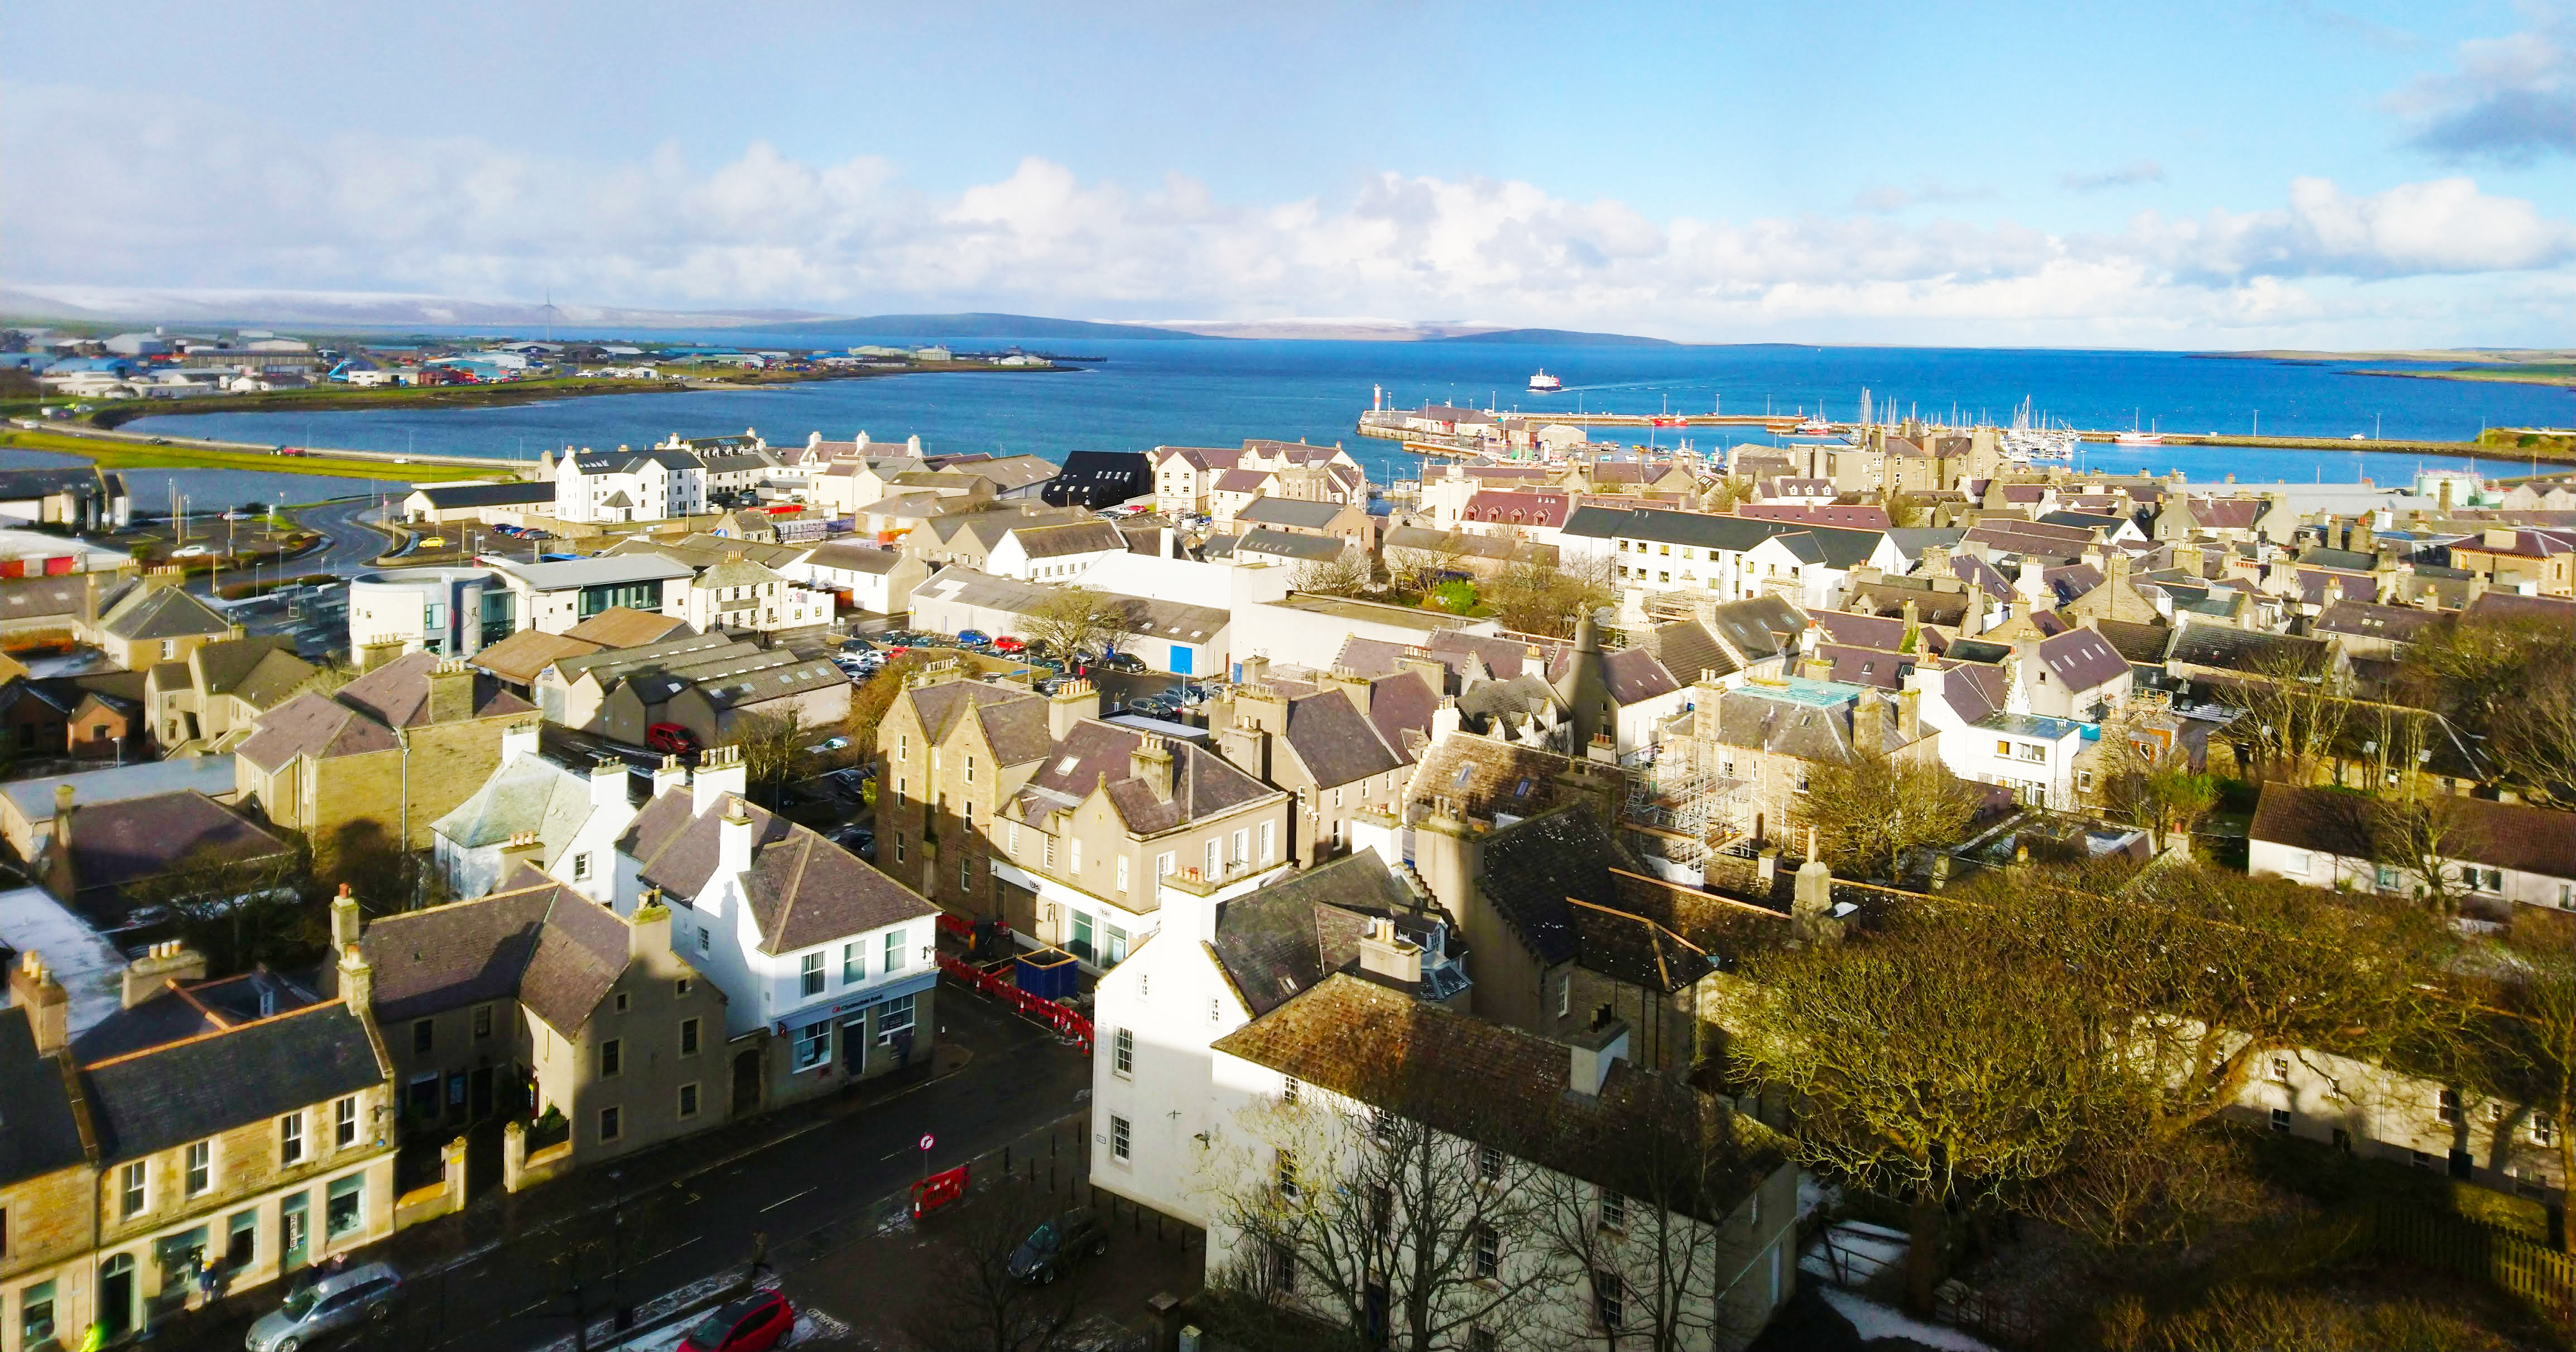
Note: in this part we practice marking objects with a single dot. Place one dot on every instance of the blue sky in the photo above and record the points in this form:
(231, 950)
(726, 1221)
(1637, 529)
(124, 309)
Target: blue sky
(2150, 175)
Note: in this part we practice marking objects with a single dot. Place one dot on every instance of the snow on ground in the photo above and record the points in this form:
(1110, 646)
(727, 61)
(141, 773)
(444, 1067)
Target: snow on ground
(1852, 1252)
(1873, 1320)
(90, 968)
(1814, 1195)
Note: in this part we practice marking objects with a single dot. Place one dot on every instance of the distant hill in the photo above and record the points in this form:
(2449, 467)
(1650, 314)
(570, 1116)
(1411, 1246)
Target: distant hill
(1557, 338)
(975, 325)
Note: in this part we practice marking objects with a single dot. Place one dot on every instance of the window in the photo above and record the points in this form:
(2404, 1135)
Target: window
(423, 1034)
(970, 767)
(2446, 1105)
(130, 1190)
(36, 1314)
(344, 1123)
(813, 1045)
(1288, 1089)
(688, 1100)
(1283, 1269)
(705, 939)
(854, 963)
(893, 952)
(898, 847)
(2385, 877)
(1266, 845)
(1481, 1339)
(581, 866)
(2281, 1120)
(1488, 1255)
(1239, 856)
(2295, 863)
(1489, 1164)
(1121, 1137)
(894, 1016)
(1564, 994)
(1614, 1210)
(2544, 1129)
(612, 1124)
(1214, 868)
(902, 747)
(1609, 1299)
(810, 979)
(1163, 867)
(1284, 1174)
(612, 1058)
(1215, 1011)
(345, 1209)
(201, 1166)
(1073, 853)
(688, 1037)
(2280, 1070)
(290, 1139)
(622, 1001)
(482, 1022)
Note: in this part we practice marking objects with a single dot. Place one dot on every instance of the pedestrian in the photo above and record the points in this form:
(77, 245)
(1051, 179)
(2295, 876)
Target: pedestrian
(95, 1338)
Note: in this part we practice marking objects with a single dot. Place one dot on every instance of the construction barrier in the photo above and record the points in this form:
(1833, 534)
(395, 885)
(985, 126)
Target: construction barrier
(1052, 1013)
(938, 1190)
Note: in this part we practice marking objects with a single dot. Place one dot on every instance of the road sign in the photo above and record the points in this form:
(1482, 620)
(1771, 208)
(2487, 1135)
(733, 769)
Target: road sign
(927, 1140)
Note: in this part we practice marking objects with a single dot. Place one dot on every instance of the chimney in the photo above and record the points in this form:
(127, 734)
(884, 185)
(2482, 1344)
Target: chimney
(519, 739)
(1386, 954)
(374, 655)
(1150, 760)
(1972, 617)
(1076, 701)
(346, 924)
(668, 775)
(720, 775)
(451, 691)
(523, 847)
(733, 839)
(1350, 683)
(1247, 749)
(63, 795)
(1260, 707)
(649, 931)
(32, 987)
(1811, 905)
(1593, 1051)
(1427, 667)
(1909, 717)
(2189, 560)
(357, 979)
(161, 964)
(608, 783)
(1256, 669)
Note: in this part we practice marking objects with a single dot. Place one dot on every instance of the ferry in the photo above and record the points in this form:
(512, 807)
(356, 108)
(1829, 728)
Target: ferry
(1543, 383)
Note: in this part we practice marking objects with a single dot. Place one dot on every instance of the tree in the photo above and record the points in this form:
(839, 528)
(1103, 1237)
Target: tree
(2293, 707)
(868, 704)
(1405, 1235)
(1419, 568)
(1534, 598)
(980, 1304)
(1873, 810)
(1725, 494)
(2147, 779)
(2527, 1050)
(1073, 620)
(1345, 574)
(1903, 509)
(2510, 682)
(2424, 836)
(773, 747)
(240, 912)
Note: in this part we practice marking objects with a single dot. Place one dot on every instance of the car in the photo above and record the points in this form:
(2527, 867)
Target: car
(336, 1303)
(857, 645)
(1008, 644)
(972, 637)
(1128, 662)
(191, 552)
(1057, 1245)
(1190, 694)
(670, 737)
(827, 746)
(754, 1323)
(854, 837)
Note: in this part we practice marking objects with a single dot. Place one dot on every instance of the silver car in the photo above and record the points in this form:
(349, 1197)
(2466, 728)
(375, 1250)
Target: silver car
(336, 1303)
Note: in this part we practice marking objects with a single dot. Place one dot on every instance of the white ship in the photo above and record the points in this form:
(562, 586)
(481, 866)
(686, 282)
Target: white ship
(1543, 383)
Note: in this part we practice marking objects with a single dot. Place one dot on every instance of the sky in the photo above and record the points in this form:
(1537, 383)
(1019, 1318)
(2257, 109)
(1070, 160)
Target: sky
(2168, 175)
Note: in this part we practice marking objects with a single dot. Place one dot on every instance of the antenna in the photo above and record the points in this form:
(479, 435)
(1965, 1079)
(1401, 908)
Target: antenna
(548, 310)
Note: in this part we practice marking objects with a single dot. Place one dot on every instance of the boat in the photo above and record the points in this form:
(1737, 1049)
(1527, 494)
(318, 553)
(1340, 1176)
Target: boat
(2028, 440)
(2139, 439)
(1543, 383)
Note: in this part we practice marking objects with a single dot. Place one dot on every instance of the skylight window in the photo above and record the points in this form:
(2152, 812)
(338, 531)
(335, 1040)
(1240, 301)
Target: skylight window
(1065, 766)
(1463, 772)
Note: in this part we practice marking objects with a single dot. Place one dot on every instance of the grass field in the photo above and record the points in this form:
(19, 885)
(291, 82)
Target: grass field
(110, 453)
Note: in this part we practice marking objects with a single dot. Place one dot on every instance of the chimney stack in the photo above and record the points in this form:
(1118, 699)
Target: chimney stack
(1593, 1051)
(451, 691)
(32, 987)
(733, 847)
(1150, 760)
(1390, 956)
(649, 931)
(346, 924)
(160, 965)
(63, 795)
(608, 783)
(720, 774)
(357, 979)
(1075, 701)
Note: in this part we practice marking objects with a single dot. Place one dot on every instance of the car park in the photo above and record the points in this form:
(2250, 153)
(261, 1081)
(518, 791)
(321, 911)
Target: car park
(1057, 1245)
(334, 1304)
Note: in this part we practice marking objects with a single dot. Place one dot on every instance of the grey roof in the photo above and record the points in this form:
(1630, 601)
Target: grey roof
(162, 612)
(1687, 649)
(2366, 619)
(2082, 658)
(803, 890)
(1268, 511)
(42, 1129)
(597, 571)
(447, 497)
(1336, 742)
(205, 774)
(1532, 869)
(1319, 548)
(1095, 755)
(2515, 836)
(1280, 940)
(2244, 650)
(21, 484)
(855, 557)
(1812, 722)
(397, 693)
(130, 839)
(525, 793)
(24, 598)
(1142, 616)
(1758, 626)
(155, 1100)
(1485, 778)
(1014, 722)
(1072, 537)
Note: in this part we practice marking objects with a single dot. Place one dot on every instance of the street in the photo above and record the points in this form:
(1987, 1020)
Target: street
(826, 1192)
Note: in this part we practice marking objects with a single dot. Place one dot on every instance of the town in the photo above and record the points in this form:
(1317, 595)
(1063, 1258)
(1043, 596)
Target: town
(733, 887)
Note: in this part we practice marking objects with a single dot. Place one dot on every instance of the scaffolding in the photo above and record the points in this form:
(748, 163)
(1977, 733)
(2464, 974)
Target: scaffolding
(1681, 807)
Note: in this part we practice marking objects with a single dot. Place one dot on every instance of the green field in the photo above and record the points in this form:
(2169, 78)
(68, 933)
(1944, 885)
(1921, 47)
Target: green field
(110, 453)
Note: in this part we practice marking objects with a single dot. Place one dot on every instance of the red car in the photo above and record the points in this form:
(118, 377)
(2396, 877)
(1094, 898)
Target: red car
(1008, 644)
(754, 1323)
(670, 737)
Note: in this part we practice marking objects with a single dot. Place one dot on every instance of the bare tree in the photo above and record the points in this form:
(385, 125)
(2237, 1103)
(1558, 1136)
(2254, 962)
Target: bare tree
(1534, 598)
(1903, 509)
(2423, 837)
(981, 1305)
(773, 748)
(1385, 1226)
(1073, 620)
(1725, 494)
(2527, 1051)
(1345, 574)
(1419, 568)
(1870, 812)
(239, 911)
(2147, 779)
(2293, 707)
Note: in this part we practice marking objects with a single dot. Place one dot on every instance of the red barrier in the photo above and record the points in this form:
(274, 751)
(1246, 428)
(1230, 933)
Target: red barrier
(1052, 1013)
(938, 1190)
(956, 925)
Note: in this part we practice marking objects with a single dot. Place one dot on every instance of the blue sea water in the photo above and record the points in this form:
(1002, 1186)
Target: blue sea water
(1173, 392)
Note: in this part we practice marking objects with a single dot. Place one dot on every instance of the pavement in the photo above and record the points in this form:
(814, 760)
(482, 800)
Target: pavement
(818, 1191)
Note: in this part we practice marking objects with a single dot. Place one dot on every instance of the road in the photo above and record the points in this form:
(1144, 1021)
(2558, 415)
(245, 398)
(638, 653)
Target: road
(350, 547)
(821, 1198)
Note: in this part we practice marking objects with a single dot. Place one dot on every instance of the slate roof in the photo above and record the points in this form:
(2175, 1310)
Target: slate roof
(397, 693)
(162, 612)
(2513, 836)
(2366, 619)
(1401, 706)
(1485, 777)
(1336, 742)
(1095, 754)
(2141, 644)
(146, 1102)
(448, 497)
(2082, 659)
(1533, 869)
(1281, 939)
(804, 890)
(851, 556)
(1480, 1081)
(1261, 540)
(1973, 690)
(1747, 717)
(1759, 626)
(1241, 481)
(1289, 512)
(1687, 649)
(1072, 537)
(26, 598)
(124, 841)
(1634, 950)
(42, 1128)
(2228, 648)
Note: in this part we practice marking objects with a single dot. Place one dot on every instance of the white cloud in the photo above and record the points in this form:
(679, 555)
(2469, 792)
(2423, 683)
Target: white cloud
(141, 202)
(2510, 99)
(2128, 175)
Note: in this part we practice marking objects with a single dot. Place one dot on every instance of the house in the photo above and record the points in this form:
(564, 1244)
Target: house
(533, 811)
(206, 702)
(1261, 545)
(1057, 552)
(627, 486)
(878, 581)
(1478, 556)
(156, 620)
(1097, 479)
(1348, 523)
(738, 594)
(949, 752)
(1771, 735)
(1029, 478)
(1210, 970)
(2072, 675)
(574, 691)
(518, 660)
(27, 806)
(77, 496)
(536, 998)
(236, 1122)
(1343, 749)
(553, 597)
(1299, 1094)
(109, 861)
(2511, 558)
(1172, 636)
(2504, 854)
(373, 764)
(825, 963)
(450, 504)
(712, 695)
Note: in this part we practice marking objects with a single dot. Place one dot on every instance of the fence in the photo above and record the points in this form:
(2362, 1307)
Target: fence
(2542, 1277)
(1062, 1018)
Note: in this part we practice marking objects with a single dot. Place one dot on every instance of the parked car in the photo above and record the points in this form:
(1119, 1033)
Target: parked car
(332, 1305)
(857, 645)
(1008, 644)
(827, 746)
(670, 737)
(1128, 662)
(754, 1323)
(854, 838)
(1058, 1245)
(973, 637)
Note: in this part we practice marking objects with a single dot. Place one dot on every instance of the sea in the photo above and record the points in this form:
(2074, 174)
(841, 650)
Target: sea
(1143, 393)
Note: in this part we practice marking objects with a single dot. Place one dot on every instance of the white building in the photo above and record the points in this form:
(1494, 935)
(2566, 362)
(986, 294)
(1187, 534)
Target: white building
(1057, 552)
(553, 597)
(740, 594)
(536, 812)
(827, 965)
(453, 612)
(2509, 853)
(624, 485)
(879, 581)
